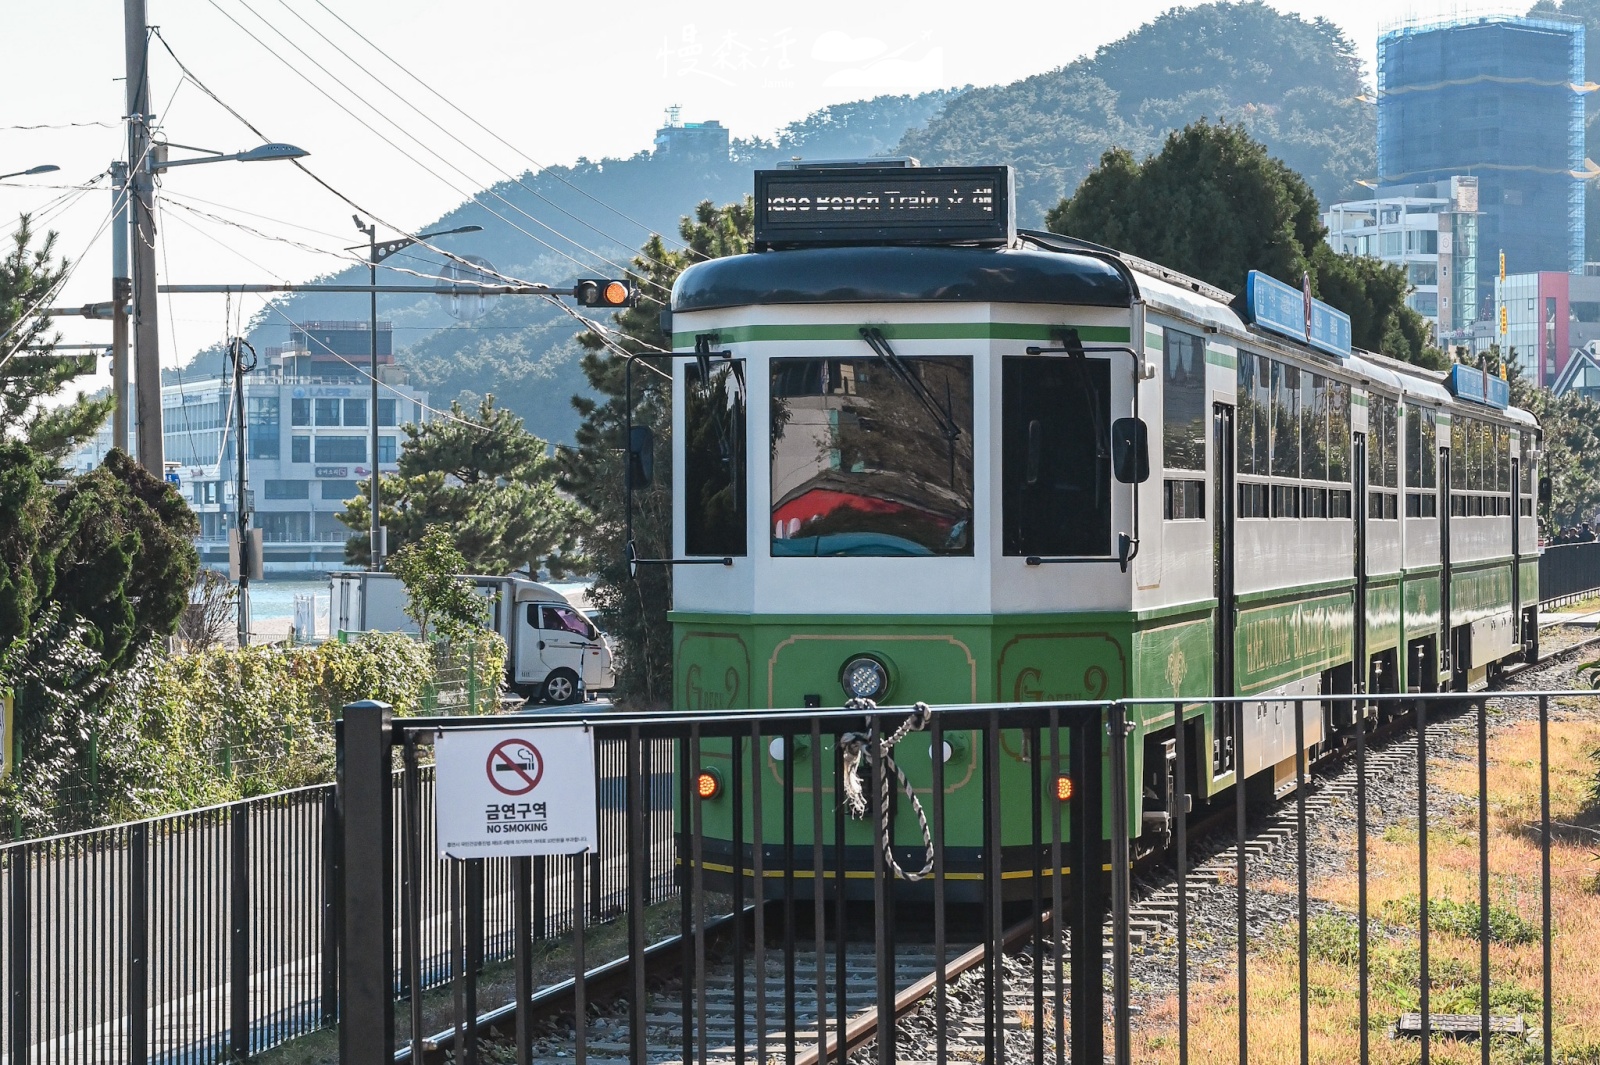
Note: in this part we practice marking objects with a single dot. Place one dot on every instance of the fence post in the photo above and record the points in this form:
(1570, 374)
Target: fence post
(138, 944)
(17, 954)
(239, 933)
(366, 987)
(1087, 909)
(332, 896)
(472, 676)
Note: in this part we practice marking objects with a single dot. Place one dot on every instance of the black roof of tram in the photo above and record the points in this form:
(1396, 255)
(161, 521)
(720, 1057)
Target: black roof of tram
(918, 274)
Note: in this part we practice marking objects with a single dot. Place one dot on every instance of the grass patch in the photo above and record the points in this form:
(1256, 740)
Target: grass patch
(1393, 979)
(1462, 919)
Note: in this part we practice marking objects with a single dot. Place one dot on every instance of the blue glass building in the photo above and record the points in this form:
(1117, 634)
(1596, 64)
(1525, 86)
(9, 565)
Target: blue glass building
(1497, 98)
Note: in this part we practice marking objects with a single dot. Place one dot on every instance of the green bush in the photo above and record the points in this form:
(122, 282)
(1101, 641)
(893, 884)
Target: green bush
(183, 731)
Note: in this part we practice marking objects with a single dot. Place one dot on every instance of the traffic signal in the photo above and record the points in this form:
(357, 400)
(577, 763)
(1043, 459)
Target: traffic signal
(604, 292)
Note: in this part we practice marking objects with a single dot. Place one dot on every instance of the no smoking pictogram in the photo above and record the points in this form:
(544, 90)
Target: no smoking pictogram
(514, 767)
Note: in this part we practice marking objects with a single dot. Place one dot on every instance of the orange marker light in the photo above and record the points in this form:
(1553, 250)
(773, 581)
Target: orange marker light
(1063, 788)
(707, 785)
(616, 294)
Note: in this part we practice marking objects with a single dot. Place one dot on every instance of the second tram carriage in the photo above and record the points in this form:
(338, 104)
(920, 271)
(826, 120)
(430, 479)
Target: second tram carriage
(916, 433)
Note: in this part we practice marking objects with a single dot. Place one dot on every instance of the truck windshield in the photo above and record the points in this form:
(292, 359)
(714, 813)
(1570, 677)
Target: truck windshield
(870, 458)
(1055, 456)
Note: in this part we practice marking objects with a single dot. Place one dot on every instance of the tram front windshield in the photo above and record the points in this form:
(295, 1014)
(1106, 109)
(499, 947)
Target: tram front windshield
(871, 456)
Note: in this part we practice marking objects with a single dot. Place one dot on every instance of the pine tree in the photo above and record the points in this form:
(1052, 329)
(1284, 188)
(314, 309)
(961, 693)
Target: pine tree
(636, 608)
(486, 479)
(1213, 204)
(30, 371)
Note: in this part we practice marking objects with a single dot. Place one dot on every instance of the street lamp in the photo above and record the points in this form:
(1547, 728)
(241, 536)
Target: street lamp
(48, 168)
(376, 253)
(260, 154)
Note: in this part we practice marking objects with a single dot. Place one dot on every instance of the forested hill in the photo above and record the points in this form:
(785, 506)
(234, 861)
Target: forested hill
(1295, 84)
(554, 226)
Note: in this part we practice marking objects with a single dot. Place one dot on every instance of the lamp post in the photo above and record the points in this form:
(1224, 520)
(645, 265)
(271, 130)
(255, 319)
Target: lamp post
(48, 168)
(376, 253)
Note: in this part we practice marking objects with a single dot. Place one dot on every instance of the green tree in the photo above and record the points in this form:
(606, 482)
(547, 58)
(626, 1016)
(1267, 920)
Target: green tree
(30, 371)
(637, 607)
(440, 602)
(488, 480)
(1213, 204)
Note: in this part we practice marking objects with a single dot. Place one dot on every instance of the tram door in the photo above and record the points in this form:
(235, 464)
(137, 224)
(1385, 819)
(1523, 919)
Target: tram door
(1225, 744)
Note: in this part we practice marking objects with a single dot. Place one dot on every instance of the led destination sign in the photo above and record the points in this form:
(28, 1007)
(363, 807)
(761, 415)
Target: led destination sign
(872, 205)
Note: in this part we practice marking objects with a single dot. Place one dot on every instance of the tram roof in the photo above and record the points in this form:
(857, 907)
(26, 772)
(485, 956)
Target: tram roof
(900, 274)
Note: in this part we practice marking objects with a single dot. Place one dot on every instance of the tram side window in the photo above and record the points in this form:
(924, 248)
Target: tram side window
(715, 475)
(1480, 468)
(1526, 472)
(1183, 424)
(1422, 459)
(1383, 452)
(873, 457)
(1294, 426)
(1183, 402)
(1055, 456)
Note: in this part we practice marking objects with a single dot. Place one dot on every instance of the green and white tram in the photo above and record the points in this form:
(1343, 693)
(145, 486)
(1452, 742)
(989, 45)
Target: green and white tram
(955, 462)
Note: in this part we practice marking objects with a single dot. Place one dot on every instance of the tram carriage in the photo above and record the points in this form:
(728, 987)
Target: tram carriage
(917, 434)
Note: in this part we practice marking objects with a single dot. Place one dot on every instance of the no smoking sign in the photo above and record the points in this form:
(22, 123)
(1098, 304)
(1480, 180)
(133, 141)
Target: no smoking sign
(515, 766)
(515, 792)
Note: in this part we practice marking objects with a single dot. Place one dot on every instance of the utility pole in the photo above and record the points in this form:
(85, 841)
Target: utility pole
(240, 500)
(141, 196)
(375, 551)
(121, 292)
(376, 253)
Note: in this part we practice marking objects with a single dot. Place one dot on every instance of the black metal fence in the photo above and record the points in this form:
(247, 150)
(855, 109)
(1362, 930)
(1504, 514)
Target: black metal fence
(1568, 572)
(1414, 891)
(214, 934)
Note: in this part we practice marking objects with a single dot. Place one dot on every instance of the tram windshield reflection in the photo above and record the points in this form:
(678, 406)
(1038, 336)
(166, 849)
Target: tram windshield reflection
(871, 458)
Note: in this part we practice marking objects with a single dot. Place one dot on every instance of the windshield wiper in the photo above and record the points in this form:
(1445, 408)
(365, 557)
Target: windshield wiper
(941, 415)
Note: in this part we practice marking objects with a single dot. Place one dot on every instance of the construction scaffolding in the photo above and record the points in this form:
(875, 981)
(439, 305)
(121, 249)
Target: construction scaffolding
(1500, 98)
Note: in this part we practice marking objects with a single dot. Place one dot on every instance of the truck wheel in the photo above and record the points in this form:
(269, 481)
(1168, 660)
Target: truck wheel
(561, 687)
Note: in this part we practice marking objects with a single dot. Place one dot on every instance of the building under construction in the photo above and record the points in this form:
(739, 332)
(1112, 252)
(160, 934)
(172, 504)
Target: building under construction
(1499, 98)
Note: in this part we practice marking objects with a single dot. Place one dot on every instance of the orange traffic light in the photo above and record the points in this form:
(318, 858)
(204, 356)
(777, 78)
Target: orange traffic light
(1063, 788)
(707, 784)
(604, 292)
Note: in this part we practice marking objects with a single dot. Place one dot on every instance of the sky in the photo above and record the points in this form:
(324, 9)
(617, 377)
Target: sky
(362, 85)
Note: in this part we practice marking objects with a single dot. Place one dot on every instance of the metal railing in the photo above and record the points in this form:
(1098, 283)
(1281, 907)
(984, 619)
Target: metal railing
(214, 934)
(1420, 882)
(1568, 572)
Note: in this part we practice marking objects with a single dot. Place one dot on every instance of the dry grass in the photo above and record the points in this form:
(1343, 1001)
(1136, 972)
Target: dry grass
(1394, 962)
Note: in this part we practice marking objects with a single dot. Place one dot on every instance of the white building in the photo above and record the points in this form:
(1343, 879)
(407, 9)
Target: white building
(1429, 230)
(307, 443)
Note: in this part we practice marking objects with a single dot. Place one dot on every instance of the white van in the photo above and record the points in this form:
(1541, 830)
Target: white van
(553, 652)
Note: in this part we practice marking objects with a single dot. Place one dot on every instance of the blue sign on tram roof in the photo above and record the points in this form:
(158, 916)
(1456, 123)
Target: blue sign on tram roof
(1479, 386)
(1291, 312)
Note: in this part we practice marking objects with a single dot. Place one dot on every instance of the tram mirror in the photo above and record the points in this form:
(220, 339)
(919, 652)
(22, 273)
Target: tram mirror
(1130, 450)
(1035, 448)
(641, 456)
(1545, 491)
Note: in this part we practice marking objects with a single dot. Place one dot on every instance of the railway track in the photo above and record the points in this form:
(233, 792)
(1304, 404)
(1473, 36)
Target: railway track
(740, 1003)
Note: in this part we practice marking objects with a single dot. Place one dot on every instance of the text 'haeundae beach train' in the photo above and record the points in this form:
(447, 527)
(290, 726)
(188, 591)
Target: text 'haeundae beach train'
(944, 459)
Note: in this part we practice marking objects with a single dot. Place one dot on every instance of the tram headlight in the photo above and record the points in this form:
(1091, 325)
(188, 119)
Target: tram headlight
(864, 677)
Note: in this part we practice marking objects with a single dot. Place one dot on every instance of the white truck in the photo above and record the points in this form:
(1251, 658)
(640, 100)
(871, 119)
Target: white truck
(553, 652)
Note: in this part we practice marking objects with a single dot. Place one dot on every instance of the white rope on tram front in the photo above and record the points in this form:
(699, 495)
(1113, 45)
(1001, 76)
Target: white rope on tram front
(866, 746)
